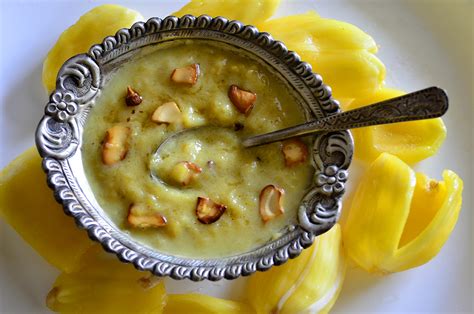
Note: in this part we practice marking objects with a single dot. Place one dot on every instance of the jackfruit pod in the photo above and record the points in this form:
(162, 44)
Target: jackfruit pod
(342, 53)
(28, 205)
(398, 219)
(350, 74)
(204, 304)
(247, 11)
(410, 141)
(91, 28)
(102, 284)
(308, 284)
(320, 34)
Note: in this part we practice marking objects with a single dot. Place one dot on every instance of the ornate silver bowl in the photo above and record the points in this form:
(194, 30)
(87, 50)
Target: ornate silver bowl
(79, 82)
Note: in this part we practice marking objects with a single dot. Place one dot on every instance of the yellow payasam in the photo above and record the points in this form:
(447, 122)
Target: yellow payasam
(398, 219)
(228, 174)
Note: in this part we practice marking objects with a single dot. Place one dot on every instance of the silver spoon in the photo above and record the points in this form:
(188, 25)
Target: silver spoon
(428, 103)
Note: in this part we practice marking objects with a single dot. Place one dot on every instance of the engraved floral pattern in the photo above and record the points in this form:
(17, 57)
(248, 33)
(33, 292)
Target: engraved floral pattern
(62, 106)
(332, 180)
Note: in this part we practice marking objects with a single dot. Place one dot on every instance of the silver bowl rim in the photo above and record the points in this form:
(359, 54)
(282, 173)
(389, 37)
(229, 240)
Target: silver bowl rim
(59, 137)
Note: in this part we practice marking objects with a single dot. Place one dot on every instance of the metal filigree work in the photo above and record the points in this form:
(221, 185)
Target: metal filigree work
(62, 106)
(81, 76)
(431, 102)
(332, 180)
(59, 133)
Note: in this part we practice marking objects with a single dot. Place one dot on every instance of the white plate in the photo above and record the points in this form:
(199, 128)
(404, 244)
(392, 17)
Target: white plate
(422, 43)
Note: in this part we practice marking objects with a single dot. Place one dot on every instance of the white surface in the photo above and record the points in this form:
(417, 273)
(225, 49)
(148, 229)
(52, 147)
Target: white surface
(422, 43)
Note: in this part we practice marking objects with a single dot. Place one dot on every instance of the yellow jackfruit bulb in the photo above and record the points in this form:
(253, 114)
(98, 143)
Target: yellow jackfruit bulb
(310, 283)
(28, 205)
(102, 284)
(350, 74)
(410, 141)
(246, 11)
(203, 304)
(398, 219)
(342, 53)
(90, 29)
(321, 34)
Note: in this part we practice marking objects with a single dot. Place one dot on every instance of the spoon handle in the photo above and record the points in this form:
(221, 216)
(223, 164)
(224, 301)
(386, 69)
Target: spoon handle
(428, 103)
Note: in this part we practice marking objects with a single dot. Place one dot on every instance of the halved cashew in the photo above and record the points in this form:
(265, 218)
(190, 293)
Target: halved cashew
(167, 113)
(207, 211)
(140, 216)
(115, 146)
(242, 99)
(271, 202)
(295, 152)
(186, 75)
